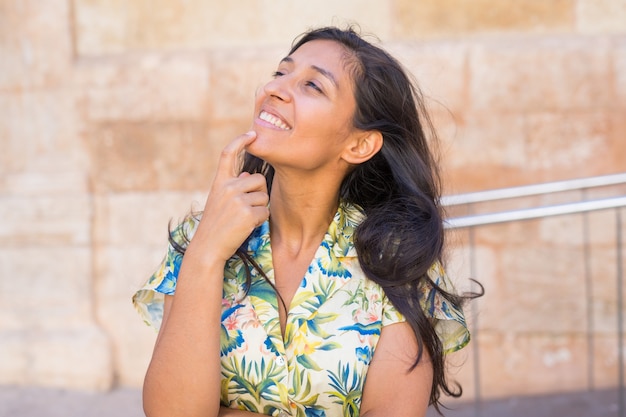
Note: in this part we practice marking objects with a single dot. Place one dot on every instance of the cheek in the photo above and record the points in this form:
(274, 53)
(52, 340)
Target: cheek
(259, 97)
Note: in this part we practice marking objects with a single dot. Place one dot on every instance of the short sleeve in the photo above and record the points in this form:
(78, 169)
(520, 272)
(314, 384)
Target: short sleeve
(148, 300)
(390, 314)
(449, 319)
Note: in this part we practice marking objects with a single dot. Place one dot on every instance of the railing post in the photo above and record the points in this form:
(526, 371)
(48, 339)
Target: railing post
(589, 301)
(620, 314)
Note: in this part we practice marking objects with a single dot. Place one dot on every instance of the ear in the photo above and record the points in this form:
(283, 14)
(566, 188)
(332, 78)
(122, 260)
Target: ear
(363, 147)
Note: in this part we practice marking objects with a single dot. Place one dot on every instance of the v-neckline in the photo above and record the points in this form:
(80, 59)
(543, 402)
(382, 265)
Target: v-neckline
(324, 276)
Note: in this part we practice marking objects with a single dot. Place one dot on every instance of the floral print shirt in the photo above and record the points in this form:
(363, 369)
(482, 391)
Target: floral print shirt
(334, 322)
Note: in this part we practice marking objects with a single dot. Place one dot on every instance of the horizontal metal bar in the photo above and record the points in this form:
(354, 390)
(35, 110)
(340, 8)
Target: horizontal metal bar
(535, 189)
(534, 213)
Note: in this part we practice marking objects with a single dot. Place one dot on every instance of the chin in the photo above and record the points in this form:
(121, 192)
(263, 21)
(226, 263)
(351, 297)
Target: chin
(264, 144)
(258, 150)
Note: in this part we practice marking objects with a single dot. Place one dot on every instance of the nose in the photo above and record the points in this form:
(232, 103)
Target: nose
(279, 88)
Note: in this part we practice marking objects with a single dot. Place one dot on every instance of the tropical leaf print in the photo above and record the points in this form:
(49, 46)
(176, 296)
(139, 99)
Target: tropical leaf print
(230, 336)
(307, 403)
(169, 269)
(364, 354)
(364, 329)
(330, 265)
(313, 324)
(347, 389)
(263, 290)
(253, 378)
(314, 412)
(317, 295)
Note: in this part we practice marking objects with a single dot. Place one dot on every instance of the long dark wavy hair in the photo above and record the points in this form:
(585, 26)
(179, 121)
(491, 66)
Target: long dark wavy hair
(399, 189)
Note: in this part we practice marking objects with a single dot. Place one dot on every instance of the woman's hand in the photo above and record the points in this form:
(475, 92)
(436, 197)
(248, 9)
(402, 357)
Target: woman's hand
(235, 206)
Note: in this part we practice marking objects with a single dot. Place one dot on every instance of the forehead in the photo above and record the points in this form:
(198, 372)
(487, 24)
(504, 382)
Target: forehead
(326, 54)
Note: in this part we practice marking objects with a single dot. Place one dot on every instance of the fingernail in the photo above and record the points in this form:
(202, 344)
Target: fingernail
(251, 133)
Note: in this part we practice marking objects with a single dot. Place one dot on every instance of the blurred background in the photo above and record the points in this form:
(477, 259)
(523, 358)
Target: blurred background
(112, 115)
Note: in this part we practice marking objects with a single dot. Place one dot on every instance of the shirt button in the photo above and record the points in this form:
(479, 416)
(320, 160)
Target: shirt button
(280, 361)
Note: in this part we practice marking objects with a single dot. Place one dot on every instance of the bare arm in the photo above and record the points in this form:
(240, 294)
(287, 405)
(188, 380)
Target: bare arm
(223, 411)
(183, 378)
(390, 388)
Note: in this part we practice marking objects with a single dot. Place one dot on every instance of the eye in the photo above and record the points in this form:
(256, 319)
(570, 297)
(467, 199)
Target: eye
(277, 74)
(313, 86)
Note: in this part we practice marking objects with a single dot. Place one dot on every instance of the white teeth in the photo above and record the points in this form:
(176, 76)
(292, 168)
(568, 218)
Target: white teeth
(273, 120)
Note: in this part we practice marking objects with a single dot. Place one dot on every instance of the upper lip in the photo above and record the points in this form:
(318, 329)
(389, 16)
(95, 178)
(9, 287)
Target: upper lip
(276, 114)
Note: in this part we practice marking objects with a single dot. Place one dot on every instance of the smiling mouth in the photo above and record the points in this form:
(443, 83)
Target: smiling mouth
(273, 120)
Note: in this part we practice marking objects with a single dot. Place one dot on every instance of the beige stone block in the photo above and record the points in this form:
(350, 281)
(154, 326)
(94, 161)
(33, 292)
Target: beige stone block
(547, 285)
(371, 16)
(481, 145)
(235, 78)
(602, 228)
(108, 27)
(14, 359)
(531, 364)
(541, 74)
(45, 286)
(603, 287)
(40, 135)
(223, 132)
(615, 162)
(116, 220)
(619, 72)
(461, 368)
(565, 142)
(601, 16)
(152, 156)
(147, 87)
(480, 264)
(123, 264)
(605, 361)
(437, 18)
(62, 220)
(566, 230)
(35, 46)
(36, 184)
(458, 263)
(562, 231)
(78, 358)
(464, 263)
(440, 70)
(449, 128)
(122, 270)
(510, 234)
(604, 313)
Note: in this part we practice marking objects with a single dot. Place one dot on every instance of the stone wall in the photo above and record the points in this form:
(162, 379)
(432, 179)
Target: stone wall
(113, 112)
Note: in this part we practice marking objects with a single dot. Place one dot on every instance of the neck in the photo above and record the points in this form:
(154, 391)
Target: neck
(301, 214)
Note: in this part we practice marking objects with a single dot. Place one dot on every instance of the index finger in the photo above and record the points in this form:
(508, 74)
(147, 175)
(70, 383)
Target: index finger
(231, 154)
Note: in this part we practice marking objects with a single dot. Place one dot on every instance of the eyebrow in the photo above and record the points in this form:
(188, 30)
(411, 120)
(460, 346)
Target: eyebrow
(321, 70)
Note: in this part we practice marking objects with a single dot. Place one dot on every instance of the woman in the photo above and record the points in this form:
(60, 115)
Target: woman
(339, 178)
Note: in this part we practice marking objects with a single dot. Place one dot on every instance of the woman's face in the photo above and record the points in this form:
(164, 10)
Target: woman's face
(304, 116)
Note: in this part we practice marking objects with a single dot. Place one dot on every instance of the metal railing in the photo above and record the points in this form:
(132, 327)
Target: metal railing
(471, 222)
